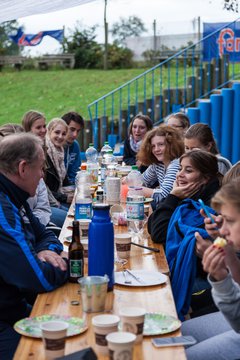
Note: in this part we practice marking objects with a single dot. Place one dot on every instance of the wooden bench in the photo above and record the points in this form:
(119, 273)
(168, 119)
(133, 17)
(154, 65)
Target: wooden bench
(63, 60)
(15, 60)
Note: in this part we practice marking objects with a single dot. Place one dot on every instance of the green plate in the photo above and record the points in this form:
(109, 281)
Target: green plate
(158, 323)
(31, 326)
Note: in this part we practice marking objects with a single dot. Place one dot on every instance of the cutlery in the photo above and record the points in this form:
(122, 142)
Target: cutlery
(138, 279)
(126, 280)
(146, 247)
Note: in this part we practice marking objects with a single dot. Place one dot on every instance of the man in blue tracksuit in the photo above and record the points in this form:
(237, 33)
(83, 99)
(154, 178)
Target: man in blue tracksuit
(31, 258)
(72, 156)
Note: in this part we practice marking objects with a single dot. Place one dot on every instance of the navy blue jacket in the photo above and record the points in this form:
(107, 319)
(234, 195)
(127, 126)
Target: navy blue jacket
(22, 236)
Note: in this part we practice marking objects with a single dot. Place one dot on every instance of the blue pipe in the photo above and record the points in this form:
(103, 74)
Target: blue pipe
(236, 124)
(227, 120)
(205, 111)
(194, 115)
(216, 117)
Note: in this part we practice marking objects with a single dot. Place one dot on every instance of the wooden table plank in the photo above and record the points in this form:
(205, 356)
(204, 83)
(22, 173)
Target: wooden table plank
(153, 299)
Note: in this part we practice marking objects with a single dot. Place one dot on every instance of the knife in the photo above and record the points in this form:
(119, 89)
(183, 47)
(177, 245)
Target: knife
(138, 279)
(146, 247)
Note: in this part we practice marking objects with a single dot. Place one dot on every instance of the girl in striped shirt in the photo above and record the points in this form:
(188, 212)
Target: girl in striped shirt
(160, 150)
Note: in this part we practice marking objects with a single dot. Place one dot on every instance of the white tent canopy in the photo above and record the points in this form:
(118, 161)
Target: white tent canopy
(15, 9)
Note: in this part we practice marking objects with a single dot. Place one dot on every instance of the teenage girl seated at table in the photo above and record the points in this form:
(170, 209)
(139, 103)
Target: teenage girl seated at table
(160, 151)
(177, 218)
(35, 122)
(56, 173)
(200, 136)
(179, 121)
(137, 130)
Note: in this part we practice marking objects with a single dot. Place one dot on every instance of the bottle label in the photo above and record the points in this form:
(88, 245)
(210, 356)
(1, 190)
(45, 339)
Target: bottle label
(103, 173)
(135, 210)
(76, 268)
(83, 211)
(93, 173)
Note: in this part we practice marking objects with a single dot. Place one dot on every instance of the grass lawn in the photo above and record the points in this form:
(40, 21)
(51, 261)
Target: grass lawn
(55, 92)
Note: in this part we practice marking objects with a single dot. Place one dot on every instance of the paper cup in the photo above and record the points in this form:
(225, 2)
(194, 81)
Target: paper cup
(83, 228)
(120, 345)
(54, 335)
(132, 319)
(123, 245)
(104, 325)
(112, 185)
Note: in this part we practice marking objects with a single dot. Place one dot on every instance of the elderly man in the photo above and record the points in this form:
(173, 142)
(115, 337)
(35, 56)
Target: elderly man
(30, 256)
(72, 156)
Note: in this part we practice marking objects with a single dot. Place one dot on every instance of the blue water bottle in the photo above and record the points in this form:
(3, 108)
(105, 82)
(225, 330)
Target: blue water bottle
(101, 244)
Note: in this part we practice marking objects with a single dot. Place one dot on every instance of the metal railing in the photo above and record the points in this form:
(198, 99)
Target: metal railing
(172, 85)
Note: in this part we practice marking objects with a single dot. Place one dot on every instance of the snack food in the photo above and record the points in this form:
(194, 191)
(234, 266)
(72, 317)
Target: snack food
(220, 242)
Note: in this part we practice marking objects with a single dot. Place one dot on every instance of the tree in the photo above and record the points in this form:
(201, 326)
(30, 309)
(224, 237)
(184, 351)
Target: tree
(81, 42)
(7, 46)
(231, 5)
(133, 26)
(119, 57)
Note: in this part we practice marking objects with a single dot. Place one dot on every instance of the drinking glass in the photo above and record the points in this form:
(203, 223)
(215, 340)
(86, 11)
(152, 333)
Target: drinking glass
(136, 228)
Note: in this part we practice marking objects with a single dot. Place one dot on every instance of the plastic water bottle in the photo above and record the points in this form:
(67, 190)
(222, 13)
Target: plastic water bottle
(107, 160)
(92, 163)
(83, 200)
(101, 244)
(106, 148)
(135, 209)
(134, 178)
(91, 154)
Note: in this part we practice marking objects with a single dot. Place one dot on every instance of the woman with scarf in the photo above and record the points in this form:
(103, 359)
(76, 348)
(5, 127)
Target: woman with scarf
(55, 176)
(138, 128)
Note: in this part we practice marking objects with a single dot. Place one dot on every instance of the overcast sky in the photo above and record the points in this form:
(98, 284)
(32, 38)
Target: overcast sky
(172, 16)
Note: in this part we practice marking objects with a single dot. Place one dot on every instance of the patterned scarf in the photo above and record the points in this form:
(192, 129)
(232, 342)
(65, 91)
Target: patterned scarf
(135, 145)
(56, 154)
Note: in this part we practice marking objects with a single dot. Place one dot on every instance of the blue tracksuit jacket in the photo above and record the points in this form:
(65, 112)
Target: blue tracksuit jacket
(22, 236)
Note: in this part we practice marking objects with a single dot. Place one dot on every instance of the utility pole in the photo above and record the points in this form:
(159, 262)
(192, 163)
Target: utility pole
(105, 36)
(199, 32)
(154, 41)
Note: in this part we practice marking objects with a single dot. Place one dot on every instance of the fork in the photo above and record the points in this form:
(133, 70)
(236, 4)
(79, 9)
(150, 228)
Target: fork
(126, 280)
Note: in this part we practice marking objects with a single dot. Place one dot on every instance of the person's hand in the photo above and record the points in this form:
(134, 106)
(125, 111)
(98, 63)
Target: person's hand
(70, 198)
(147, 192)
(201, 244)
(212, 228)
(138, 163)
(52, 258)
(214, 262)
(124, 180)
(184, 192)
(64, 254)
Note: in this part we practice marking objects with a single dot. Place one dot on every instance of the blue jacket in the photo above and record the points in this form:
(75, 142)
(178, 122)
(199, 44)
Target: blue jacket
(72, 160)
(22, 237)
(180, 251)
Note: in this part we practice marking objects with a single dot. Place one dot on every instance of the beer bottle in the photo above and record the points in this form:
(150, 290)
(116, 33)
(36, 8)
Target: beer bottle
(76, 255)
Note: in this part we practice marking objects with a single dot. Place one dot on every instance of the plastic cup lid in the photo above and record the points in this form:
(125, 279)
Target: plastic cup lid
(105, 320)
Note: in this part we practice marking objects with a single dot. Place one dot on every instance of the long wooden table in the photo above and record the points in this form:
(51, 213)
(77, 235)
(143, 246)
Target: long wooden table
(153, 299)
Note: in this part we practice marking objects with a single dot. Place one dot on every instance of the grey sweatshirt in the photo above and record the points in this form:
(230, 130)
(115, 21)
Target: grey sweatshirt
(226, 295)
